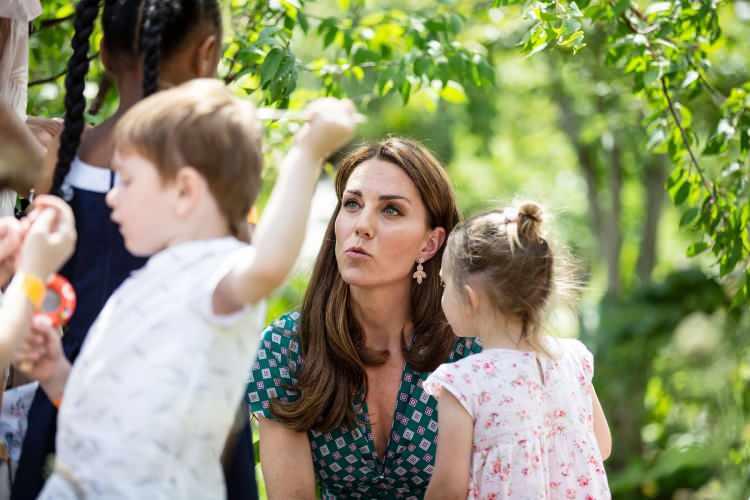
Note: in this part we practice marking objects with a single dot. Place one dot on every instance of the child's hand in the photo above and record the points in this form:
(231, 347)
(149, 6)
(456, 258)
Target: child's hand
(330, 126)
(10, 242)
(50, 238)
(41, 357)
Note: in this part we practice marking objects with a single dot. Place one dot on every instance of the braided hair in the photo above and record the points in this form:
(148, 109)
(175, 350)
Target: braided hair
(151, 29)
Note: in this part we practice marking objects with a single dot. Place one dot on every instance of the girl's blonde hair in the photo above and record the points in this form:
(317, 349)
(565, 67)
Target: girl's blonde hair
(506, 252)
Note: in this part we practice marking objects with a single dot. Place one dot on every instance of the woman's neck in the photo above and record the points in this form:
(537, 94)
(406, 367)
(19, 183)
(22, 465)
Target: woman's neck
(384, 313)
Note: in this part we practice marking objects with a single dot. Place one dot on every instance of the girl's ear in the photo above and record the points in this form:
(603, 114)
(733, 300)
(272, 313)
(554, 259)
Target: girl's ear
(207, 57)
(472, 298)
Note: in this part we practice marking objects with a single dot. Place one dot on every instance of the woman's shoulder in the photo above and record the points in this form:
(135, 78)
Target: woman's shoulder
(282, 335)
(463, 347)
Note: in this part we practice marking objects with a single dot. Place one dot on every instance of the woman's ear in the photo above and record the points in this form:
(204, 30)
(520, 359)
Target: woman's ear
(433, 243)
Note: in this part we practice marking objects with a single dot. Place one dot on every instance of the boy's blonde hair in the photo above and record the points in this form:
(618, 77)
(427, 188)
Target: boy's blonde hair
(202, 125)
(506, 253)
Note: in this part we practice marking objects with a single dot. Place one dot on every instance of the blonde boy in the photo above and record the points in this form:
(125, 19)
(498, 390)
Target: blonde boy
(147, 408)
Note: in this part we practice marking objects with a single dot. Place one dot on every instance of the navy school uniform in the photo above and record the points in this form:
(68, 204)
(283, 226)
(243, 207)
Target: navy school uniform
(98, 266)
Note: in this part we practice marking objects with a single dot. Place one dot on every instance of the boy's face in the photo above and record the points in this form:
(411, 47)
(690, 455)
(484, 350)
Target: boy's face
(142, 204)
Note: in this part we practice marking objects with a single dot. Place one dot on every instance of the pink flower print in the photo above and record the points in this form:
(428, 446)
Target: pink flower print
(519, 382)
(553, 485)
(523, 415)
(489, 367)
(559, 413)
(485, 397)
(450, 378)
(582, 380)
(570, 494)
(507, 399)
(583, 481)
(565, 469)
(492, 496)
(525, 471)
(497, 467)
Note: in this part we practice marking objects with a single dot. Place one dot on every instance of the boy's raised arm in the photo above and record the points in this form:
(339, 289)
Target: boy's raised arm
(281, 231)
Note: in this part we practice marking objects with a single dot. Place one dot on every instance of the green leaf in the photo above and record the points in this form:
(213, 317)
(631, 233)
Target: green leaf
(270, 65)
(303, 22)
(453, 92)
(330, 36)
(682, 193)
(697, 248)
(689, 216)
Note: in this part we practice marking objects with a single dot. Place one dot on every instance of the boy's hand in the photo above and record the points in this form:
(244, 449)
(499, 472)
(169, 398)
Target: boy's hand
(41, 356)
(331, 124)
(10, 243)
(50, 238)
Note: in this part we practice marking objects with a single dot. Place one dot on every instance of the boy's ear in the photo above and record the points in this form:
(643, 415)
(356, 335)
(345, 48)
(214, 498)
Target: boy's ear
(189, 187)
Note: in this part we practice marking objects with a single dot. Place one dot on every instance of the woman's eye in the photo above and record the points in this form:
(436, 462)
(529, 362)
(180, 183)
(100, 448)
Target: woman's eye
(391, 210)
(350, 204)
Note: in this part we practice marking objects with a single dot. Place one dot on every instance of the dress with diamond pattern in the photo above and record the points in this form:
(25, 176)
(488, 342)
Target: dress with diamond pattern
(345, 461)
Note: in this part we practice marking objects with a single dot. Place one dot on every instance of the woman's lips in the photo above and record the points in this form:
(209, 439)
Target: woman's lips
(357, 253)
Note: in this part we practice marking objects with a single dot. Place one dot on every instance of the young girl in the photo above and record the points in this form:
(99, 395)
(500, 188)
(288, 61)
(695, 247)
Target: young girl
(147, 407)
(146, 44)
(520, 419)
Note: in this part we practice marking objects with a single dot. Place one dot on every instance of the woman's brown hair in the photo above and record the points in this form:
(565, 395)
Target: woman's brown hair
(333, 375)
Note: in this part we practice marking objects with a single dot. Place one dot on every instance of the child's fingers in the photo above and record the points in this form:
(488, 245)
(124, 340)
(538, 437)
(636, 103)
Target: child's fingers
(44, 221)
(41, 325)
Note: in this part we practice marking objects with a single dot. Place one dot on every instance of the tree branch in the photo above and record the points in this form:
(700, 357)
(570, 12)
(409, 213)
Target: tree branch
(52, 78)
(685, 138)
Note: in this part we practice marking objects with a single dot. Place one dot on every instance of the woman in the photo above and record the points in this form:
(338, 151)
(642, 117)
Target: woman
(337, 387)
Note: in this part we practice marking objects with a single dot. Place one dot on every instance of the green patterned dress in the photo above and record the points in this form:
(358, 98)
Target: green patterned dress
(345, 461)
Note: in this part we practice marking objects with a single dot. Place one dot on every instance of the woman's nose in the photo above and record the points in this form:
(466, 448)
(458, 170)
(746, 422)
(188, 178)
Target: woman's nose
(364, 226)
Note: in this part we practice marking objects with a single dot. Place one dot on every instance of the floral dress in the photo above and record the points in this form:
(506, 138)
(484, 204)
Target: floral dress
(533, 422)
(345, 461)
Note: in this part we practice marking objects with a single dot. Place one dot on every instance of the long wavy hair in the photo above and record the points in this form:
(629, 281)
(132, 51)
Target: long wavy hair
(333, 374)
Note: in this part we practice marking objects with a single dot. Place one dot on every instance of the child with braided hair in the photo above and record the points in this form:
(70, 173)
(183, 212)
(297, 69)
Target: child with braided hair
(146, 45)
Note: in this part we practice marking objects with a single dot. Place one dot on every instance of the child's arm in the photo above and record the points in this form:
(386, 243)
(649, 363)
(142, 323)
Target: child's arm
(47, 244)
(450, 480)
(41, 358)
(281, 231)
(601, 428)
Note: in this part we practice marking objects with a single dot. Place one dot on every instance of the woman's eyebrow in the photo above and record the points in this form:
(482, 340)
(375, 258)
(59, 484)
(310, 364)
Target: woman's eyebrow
(383, 197)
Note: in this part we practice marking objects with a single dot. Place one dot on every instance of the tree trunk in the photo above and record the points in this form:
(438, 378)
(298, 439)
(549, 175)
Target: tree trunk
(653, 179)
(612, 232)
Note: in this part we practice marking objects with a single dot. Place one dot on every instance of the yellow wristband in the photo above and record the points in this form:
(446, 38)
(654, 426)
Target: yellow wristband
(34, 289)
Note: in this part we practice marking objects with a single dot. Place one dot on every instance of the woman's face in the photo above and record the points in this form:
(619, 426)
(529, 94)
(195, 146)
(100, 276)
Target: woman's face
(381, 228)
